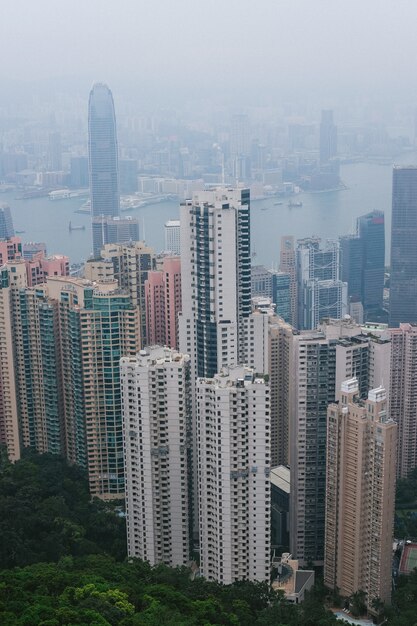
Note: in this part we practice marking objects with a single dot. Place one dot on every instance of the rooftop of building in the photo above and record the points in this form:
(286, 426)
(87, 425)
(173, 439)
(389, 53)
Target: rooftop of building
(238, 376)
(156, 355)
(280, 477)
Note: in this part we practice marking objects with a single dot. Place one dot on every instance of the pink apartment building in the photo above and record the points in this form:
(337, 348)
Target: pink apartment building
(163, 303)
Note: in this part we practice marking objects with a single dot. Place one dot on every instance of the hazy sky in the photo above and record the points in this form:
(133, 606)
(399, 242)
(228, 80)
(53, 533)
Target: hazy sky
(277, 44)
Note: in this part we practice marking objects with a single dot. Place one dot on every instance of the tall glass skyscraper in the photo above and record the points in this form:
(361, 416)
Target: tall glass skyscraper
(403, 292)
(102, 152)
(371, 231)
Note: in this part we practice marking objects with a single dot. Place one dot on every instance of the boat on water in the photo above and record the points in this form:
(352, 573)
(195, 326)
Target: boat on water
(293, 203)
(71, 227)
(20, 232)
(265, 208)
(278, 203)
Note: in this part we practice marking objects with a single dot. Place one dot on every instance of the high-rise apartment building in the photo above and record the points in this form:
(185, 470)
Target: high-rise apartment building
(163, 303)
(351, 270)
(371, 231)
(63, 340)
(403, 395)
(319, 362)
(172, 237)
(268, 341)
(403, 281)
(321, 294)
(216, 278)
(233, 465)
(131, 264)
(156, 389)
(103, 153)
(328, 137)
(288, 265)
(360, 494)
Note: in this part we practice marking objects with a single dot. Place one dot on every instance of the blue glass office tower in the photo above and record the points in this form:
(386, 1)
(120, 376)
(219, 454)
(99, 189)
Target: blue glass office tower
(102, 153)
(403, 291)
(371, 231)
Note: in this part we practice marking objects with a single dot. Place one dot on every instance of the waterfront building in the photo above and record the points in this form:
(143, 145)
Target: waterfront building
(360, 494)
(216, 278)
(328, 137)
(320, 361)
(103, 153)
(321, 293)
(79, 172)
(163, 303)
(54, 158)
(113, 230)
(403, 279)
(156, 389)
(6, 222)
(172, 237)
(371, 231)
(233, 466)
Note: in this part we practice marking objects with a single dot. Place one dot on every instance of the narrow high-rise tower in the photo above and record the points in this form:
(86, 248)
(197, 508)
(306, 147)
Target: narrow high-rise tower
(102, 152)
(216, 278)
(403, 291)
(360, 494)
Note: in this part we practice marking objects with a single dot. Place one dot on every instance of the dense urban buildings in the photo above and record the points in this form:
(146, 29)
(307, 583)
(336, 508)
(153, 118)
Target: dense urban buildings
(288, 265)
(320, 360)
(156, 388)
(403, 282)
(360, 494)
(233, 465)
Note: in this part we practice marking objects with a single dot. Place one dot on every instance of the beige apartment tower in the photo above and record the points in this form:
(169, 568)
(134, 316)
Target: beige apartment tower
(360, 494)
(403, 395)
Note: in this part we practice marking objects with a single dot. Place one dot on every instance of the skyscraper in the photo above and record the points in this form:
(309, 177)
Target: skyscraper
(288, 265)
(216, 278)
(156, 389)
(102, 152)
(328, 137)
(403, 283)
(234, 456)
(360, 494)
(371, 231)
